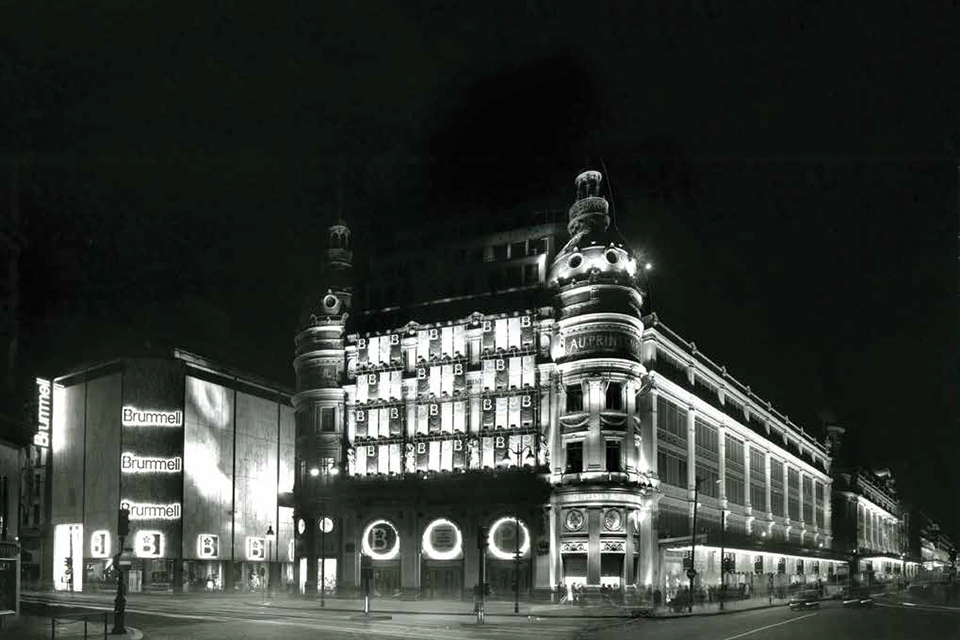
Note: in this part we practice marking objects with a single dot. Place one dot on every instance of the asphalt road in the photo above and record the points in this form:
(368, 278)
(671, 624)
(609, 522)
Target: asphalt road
(887, 620)
(163, 618)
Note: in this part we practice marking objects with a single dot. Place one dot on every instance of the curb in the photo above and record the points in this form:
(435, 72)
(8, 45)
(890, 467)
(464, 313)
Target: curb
(672, 616)
(462, 613)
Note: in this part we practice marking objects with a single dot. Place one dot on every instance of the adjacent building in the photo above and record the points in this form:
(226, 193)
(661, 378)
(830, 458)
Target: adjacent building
(534, 422)
(199, 453)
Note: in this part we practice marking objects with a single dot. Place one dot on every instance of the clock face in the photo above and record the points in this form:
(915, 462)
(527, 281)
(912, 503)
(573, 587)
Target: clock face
(574, 520)
(612, 520)
(301, 526)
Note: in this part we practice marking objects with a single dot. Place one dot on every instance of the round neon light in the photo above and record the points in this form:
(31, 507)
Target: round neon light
(433, 552)
(325, 524)
(301, 526)
(380, 553)
(492, 541)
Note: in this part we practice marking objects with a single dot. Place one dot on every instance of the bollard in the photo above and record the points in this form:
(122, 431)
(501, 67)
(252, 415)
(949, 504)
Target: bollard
(53, 629)
(104, 625)
(84, 627)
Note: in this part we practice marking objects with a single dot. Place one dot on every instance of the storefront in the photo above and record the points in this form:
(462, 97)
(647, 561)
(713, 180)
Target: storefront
(200, 456)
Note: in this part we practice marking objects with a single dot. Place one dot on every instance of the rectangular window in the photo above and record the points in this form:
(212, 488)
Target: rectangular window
(807, 500)
(36, 484)
(672, 468)
(758, 481)
(818, 503)
(531, 274)
(614, 397)
(776, 487)
(575, 456)
(499, 252)
(707, 445)
(518, 249)
(671, 419)
(613, 455)
(574, 398)
(327, 420)
(733, 456)
(36, 514)
(793, 493)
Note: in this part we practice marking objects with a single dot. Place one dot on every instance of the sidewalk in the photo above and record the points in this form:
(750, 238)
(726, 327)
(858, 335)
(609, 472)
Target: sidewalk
(446, 607)
(713, 608)
(27, 627)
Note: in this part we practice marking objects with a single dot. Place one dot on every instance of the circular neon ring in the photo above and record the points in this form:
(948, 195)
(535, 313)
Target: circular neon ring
(324, 520)
(497, 551)
(365, 543)
(432, 553)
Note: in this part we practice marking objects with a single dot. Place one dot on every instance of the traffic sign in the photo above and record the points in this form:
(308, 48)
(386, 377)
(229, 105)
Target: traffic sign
(691, 573)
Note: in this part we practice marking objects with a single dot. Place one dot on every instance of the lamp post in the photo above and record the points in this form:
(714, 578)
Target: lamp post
(516, 536)
(326, 469)
(692, 572)
(723, 559)
(271, 536)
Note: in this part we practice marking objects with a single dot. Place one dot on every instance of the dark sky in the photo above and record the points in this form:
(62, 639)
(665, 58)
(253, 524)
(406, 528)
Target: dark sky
(791, 170)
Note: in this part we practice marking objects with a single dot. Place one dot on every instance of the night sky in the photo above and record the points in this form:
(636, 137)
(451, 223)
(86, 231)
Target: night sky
(791, 172)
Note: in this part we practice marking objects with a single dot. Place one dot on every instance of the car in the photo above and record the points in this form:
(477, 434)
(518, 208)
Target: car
(857, 599)
(805, 600)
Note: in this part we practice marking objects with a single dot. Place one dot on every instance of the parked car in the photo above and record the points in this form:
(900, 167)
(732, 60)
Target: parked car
(805, 600)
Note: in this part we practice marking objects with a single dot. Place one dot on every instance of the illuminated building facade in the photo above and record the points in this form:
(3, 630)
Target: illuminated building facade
(200, 454)
(871, 521)
(525, 394)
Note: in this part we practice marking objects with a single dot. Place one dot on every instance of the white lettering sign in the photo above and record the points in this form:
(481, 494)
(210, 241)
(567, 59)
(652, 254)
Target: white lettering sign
(100, 544)
(42, 437)
(130, 463)
(133, 417)
(148, 544)
(256, 549)
(208, 545)
(144, 511)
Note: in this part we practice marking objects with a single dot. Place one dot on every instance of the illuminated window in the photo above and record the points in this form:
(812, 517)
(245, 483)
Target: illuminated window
(614, 397)
(575, 456)
(613, 455)
(574, 398)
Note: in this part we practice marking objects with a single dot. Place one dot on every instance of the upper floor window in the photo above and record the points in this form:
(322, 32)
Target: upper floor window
(614, 397)
(613, 455)
(328, 422)
(518, 249)
(574, 398)
(499, 252)
(575, 456)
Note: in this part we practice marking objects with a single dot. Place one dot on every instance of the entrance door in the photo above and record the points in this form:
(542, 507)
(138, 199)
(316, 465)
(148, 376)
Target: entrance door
(442, 582)
(386, 580)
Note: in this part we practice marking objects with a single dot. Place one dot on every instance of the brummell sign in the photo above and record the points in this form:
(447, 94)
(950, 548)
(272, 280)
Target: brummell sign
(589, 342)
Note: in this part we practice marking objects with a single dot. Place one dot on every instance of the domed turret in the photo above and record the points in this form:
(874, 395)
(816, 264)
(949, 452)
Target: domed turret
(594, 253)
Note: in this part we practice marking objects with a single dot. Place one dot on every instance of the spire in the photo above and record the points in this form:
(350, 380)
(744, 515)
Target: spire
(590, 212)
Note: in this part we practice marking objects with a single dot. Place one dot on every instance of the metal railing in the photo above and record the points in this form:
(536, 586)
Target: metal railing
(64, 621)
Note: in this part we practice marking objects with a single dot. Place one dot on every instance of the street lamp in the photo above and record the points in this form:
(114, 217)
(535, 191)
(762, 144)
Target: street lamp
(271, 536)
(516, 521)
(325, 523)
(692, 572)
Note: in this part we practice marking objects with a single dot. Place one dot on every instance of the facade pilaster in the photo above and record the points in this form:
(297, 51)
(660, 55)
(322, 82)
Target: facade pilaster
(722, 455)
(691, 450)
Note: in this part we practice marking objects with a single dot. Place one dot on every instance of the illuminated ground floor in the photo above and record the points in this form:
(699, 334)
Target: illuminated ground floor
(427, 541)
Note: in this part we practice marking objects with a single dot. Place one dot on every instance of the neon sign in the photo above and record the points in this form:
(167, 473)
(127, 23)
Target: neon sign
(256, 549)
(493, 539)
(133, 417)
(100, 544)
(130, 463)
(42, 437)
(148, 544)
(377, 538)
(208, 545)
(442, 540)
(145, 511)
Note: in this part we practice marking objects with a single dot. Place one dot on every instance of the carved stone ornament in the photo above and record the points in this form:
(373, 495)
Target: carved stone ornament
(573, 546)
(573, 521)
(612, 520)
(611, 546)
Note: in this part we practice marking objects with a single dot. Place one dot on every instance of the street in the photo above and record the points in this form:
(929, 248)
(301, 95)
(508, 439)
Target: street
(206, 616)
(887, 620)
